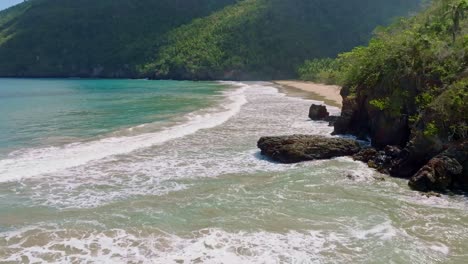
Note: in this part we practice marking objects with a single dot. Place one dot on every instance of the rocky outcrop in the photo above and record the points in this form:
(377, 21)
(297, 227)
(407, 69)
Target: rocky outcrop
(410, 141)
(318, 112)
(360, 118)
(297, 148)
(383, 161)
(352, 120)
(366, 155)
(446, 171)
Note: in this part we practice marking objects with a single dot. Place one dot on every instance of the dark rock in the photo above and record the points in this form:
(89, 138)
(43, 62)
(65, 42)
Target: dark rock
(386, 129)
(437, 174)
(392, 151)
(331, 120)
(447, 170)
(318, 112)
(384, 161)
(297, 148)
(353, 120)
(360, 118)
(366, 155)
(346, 123)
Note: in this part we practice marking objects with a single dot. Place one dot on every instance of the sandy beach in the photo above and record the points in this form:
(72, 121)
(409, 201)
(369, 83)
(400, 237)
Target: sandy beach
(330, 94)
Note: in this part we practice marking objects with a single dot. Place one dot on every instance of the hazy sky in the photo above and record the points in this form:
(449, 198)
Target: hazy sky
(7, 3)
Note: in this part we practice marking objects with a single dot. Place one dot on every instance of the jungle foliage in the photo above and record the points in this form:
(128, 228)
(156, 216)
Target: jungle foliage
(417, 67)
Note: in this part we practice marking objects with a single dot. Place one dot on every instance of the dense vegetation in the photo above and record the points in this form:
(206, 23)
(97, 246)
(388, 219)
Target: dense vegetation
(323, 70)
(409, 87)
(189, 39)
(89, 37)
(267, 39)
(417, 64)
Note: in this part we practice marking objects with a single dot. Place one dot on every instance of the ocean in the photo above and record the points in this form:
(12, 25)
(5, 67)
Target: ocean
(138, 171)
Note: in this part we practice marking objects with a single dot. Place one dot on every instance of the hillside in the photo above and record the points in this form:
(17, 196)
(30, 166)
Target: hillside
(184, 39)
(268, 39)
(408, 90)
(90, 38)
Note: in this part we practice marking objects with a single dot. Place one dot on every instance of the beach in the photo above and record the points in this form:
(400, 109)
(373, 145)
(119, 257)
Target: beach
(191, 186)
(330, 94)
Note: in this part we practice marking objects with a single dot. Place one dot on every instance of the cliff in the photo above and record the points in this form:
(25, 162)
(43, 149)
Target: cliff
(409, 89)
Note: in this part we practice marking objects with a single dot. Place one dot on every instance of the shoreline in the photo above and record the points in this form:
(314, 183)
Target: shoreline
(329, 94)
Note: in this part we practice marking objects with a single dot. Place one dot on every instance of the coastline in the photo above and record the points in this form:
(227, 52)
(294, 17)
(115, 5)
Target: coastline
(209, 167)
(329, 94)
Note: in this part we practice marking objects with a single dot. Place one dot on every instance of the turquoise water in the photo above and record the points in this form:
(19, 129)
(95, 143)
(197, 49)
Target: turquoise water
(38, 112)
(135, 171)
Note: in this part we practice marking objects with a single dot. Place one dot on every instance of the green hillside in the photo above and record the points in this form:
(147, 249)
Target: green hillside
(183, 39)
(268, 39)
(409, 88)
(89, 37)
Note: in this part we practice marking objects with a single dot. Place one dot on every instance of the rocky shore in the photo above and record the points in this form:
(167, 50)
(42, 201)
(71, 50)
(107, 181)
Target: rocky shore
(430, 154)
(431, 163)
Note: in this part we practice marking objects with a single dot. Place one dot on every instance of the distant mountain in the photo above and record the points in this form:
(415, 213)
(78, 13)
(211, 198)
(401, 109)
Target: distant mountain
(183, 39)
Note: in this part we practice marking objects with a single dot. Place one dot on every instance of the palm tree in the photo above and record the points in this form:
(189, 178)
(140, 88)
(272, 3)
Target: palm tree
(457, 12)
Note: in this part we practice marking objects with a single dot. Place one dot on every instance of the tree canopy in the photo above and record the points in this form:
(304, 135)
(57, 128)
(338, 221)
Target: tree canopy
(183, 39)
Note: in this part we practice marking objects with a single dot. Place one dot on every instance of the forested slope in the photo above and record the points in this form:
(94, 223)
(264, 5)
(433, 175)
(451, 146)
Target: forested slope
(88, 37)
(183, 39)
(268, 39)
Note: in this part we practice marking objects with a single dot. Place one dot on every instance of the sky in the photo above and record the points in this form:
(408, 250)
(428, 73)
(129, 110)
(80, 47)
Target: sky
(7, 3)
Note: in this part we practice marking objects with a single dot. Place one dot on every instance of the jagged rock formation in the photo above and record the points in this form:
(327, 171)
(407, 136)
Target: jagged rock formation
(448, 170)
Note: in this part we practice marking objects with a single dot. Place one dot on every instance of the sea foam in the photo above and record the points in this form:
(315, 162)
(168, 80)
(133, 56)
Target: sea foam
(48, 160)
(164, 203)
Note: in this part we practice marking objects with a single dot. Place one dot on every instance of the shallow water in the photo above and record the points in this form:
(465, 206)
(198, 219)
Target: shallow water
(196, 190)
(38, 112)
